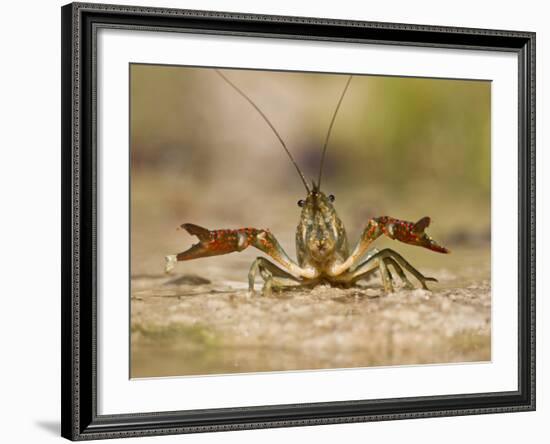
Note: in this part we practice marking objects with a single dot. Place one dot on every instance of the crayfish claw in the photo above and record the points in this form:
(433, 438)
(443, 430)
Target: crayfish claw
(412, 233)
(422, 224)
(434, 246)
(202, 233)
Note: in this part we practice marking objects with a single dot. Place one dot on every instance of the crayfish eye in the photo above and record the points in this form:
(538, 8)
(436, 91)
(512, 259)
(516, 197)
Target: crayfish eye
(301, 202)
(331, 197)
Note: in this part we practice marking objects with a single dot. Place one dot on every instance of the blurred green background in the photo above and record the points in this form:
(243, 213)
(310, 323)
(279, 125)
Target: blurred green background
(404, 147)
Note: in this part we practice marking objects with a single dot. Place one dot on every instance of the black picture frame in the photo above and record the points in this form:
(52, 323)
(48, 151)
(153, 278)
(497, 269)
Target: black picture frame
(78, 332)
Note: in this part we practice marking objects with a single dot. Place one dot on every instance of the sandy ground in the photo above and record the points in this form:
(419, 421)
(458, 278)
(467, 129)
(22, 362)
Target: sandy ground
(202, 320)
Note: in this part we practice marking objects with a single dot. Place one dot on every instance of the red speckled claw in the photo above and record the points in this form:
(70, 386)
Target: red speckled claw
(216, 242)
(410, 232)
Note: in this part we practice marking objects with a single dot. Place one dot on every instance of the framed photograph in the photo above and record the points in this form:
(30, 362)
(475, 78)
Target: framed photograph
(280, 221)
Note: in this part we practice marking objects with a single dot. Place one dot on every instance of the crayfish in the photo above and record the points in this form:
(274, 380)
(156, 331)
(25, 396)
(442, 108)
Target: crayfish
(323, 253)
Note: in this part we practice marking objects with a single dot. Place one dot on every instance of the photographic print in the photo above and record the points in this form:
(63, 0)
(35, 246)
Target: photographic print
(275, 221)
(302, 221)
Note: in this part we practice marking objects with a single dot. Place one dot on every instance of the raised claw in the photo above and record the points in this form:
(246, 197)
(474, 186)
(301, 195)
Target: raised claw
(216, 242)
(412, 233)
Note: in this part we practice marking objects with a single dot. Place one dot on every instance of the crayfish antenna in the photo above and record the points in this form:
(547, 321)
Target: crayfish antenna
(330, 130)
(262, 114)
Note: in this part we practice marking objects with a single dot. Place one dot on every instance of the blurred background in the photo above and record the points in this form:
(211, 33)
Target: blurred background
(403, 147)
